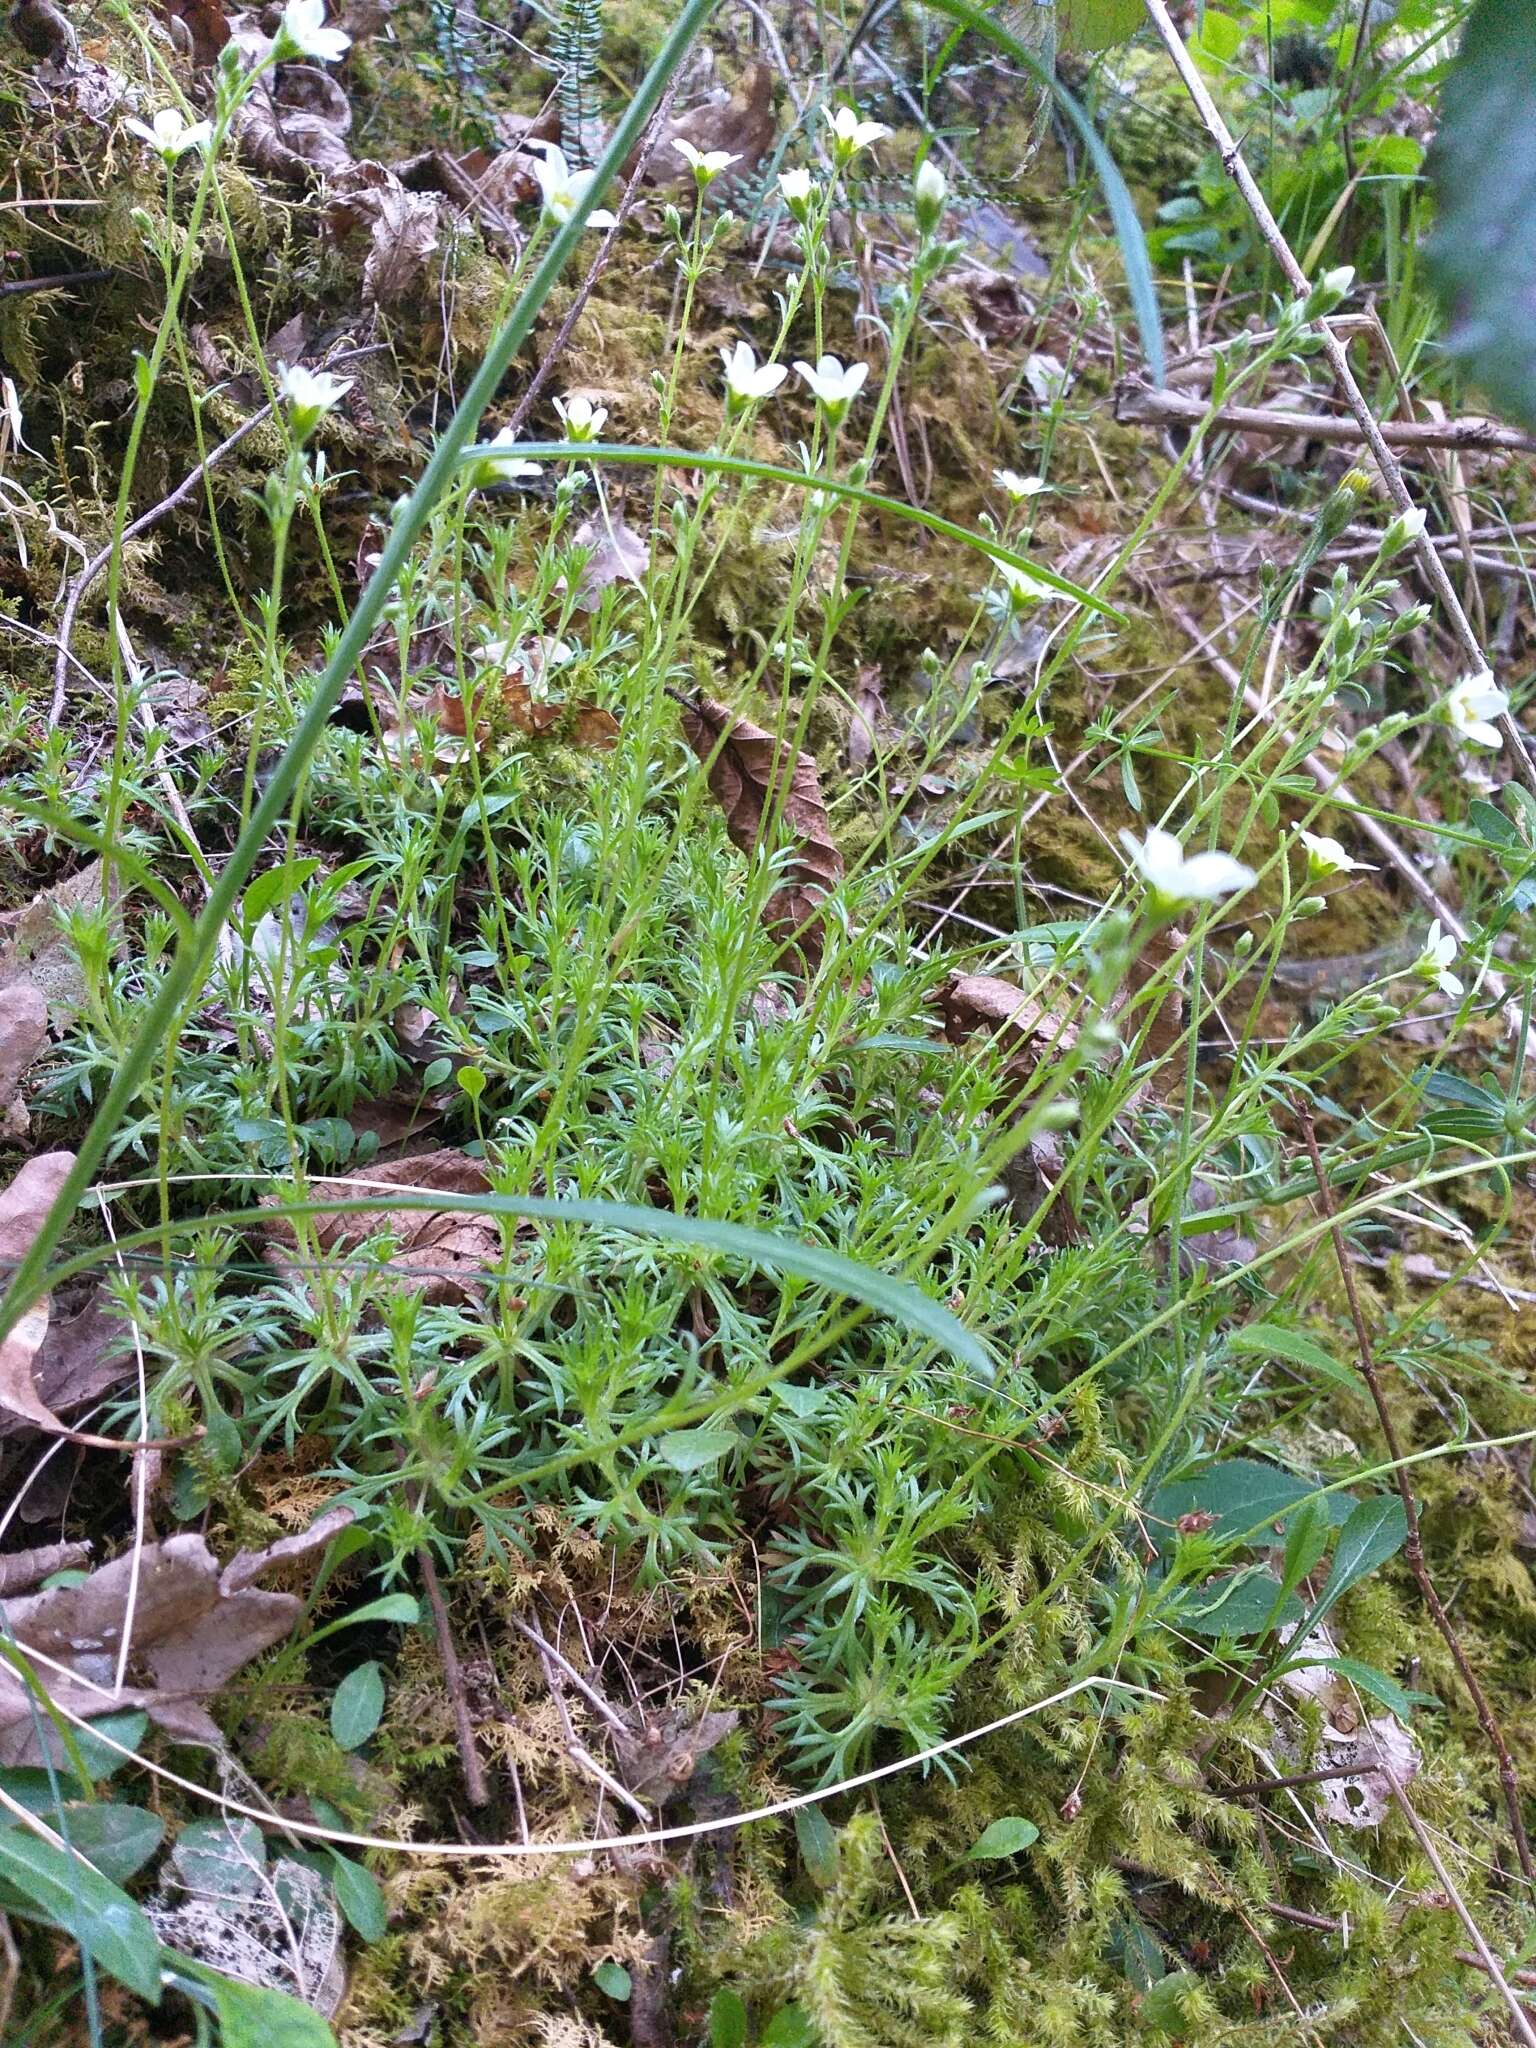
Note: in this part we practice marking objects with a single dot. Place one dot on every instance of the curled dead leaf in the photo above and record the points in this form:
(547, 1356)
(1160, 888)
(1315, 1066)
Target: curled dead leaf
(23, 1034)
(441, 1254)
(619, 555)
(971, 1003)
(194, 1626)
(757, 780)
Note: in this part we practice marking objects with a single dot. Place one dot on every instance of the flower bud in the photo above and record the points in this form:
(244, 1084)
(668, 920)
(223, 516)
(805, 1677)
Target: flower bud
(930, 189)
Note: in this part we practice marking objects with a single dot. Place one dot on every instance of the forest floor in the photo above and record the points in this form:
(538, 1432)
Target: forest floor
(769, 1156)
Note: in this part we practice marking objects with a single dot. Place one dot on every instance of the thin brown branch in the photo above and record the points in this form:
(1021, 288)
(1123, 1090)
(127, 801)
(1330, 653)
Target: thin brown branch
(476, 1789)
(1138, 403)
(1413, 1548)
(1433, 568)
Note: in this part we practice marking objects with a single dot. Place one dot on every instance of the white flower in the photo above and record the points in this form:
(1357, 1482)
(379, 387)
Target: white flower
(1434, 963)
(303, 30)
(1171, 878)
(850, 134)
(930, 189)
(511, 468)
(309, 393)
(1472, 705)
(563, 189)
(707, 163)
(1024, 587)
(1405, 527)
(746, 379)
(1017, 487)
(798, 192)
(582, 420)
(834, 385)
(1326, 857)
(169, 136)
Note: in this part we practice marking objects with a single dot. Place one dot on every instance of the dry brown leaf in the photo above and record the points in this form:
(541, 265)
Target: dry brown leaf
(402, 242)
(986, 1002)
(83, 1356)
(207, 30)
(868, 703)
(193, 1629)
(23, 1034)
(744, 125)
(618, 555)
(441, 1253)
(22, 1569)
(584, 725)
(38, 950)
(752, 776)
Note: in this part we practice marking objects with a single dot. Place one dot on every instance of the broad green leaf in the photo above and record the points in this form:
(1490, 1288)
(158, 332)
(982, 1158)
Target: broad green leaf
(1005, 1837)
(222, 1857)
(1492, 824)
(695, 1450)
(817, 1842)
(1243, 1494)
(272, 888)
(252, 2016)
(119, 1840)
(790, 2027)
(1375, 1531)
(360, 1898)
(1275, 1340)
(1398, 1699)
(1242, 1604)
(1083, 26)
(727, 2019)
(1482, 254)
(357, 1706)
(40, 1882)
(613, 1978)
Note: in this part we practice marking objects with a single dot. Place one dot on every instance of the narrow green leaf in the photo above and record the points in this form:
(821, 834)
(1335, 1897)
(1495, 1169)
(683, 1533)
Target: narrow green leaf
(397, 1607)
(1375, 1531)
(272, 888)
(359, 1896)
(695, 1450)
(1397, 1699)
(817, 1842)
(1482, 254)
(1275, 1340)
(727, 2019)
(40, 1882)
(357, 1706)
(1005, 1837)
(118, 1840)
(252, 2016)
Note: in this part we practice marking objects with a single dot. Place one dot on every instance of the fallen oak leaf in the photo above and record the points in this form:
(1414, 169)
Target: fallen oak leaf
(441, 1253)
(754, 776)
(194, 1627)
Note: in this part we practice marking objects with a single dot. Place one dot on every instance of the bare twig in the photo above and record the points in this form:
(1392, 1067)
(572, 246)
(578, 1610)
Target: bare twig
(1433, 568)
(577, 1750)
(1421, 1835)
(589, 1693)
(15, 287)
(1413, 1548)
(1141, 404)
(475, 1788)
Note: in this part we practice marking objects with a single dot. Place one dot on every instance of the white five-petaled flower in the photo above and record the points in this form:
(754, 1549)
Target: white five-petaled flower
(850, 134)
(309, 393)
(1025, 588)
(1326, 857)
(304, 31)
(1173, 878)
(563, 189)
(834, 385)
(798, 191)
(1017, 487)
(582, 420)
(1471, 707)
(1405, 527)
(930, 189)
(510, 468)
(1434, 963)
(707, 163)
(169, 136)
(746, 379)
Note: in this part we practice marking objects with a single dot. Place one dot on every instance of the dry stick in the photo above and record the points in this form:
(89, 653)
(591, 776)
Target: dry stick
(648, 145)
(1413, 1548)
(1141, 404)
(475, 1787)
(145, 520)
(1338, 362)
(1324, 1923)
(1517, 2011)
